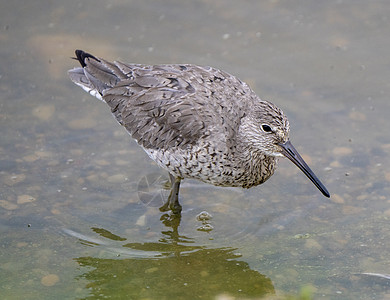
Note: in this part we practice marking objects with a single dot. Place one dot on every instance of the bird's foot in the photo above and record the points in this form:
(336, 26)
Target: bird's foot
(175, 207)
(173, 199)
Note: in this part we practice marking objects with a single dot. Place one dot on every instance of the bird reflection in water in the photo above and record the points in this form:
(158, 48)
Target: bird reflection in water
(174, 266)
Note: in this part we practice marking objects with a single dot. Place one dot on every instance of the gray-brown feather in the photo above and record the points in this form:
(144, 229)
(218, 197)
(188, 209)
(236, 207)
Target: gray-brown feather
(184, 116)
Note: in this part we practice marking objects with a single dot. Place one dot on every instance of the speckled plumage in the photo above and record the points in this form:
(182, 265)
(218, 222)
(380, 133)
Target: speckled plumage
(196, 122)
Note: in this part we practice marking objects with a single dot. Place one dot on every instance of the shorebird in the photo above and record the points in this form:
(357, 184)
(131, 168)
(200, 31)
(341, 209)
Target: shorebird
(195, 122)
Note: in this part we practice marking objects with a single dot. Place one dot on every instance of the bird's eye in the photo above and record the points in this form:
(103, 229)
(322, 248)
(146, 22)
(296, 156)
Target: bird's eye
(266, 128)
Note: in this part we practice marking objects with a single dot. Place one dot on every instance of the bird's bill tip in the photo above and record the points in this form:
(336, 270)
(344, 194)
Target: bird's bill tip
(292, 154)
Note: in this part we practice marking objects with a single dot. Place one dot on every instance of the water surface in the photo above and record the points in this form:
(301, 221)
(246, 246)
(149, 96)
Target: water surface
(79, 199)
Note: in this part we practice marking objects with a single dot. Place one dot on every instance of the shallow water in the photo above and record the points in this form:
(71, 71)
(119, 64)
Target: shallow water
(79, 199)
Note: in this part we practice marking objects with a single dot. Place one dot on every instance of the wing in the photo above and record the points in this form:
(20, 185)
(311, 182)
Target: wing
(159, 108)
(166, 106)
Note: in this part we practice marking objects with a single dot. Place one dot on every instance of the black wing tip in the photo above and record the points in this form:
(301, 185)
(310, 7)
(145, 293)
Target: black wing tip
(82, 55)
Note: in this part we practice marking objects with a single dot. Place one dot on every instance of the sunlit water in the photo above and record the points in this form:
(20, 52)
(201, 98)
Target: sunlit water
(79, 199)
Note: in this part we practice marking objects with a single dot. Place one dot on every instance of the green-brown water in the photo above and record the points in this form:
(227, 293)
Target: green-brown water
(77, 217)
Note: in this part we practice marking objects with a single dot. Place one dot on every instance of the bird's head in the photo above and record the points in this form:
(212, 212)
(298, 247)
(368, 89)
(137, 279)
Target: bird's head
(265, 128)
(265, 131)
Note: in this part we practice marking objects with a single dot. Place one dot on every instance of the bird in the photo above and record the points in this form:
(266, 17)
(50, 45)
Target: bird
(194, 121)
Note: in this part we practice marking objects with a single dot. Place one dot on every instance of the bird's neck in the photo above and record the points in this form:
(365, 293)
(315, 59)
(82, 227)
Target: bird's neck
(255, 166)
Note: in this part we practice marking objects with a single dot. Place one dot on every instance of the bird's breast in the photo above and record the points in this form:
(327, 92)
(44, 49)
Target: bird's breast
(213, 166)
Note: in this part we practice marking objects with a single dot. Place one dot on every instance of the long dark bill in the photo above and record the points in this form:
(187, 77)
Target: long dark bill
(292, 154)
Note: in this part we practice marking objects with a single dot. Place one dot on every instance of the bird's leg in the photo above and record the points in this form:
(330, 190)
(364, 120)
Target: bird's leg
(173, 200)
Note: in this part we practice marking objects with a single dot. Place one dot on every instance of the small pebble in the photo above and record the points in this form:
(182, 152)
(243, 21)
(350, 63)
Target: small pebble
(351, 210)
(312, 244)
(335, 164)
(301, 236)
(386, 147)
(85, 123)
(30, 158)
(14, 179)
(224, 297)
(77, 152)
(151, 270)
(55, 211)
(341, 151)
(118, 178)
(387, 176)
(336, 198)
(44, 154)
(8, 205)
(22, 199)
(357, 116)
(44, 112)
(141, 221)
(50, 280)
(362, 197)
(121, 162)
(339, 42)
(102, 162)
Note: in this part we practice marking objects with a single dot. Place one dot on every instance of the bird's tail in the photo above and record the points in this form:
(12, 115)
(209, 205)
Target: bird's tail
(95, 75)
